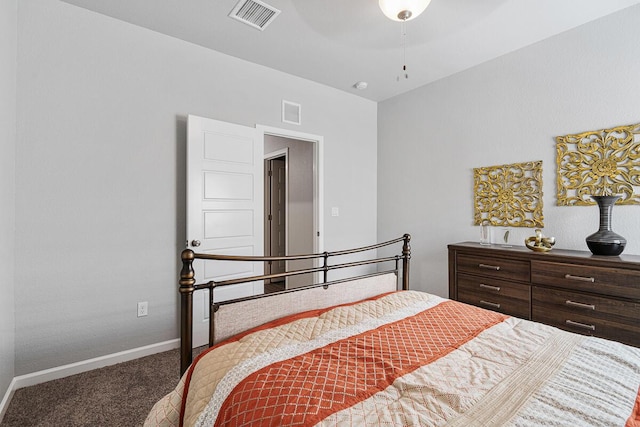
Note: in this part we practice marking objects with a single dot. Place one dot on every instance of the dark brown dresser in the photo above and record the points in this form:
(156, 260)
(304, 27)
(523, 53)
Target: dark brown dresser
(572, 290)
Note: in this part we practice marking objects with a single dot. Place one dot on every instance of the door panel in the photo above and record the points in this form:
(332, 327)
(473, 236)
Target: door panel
(227, 186)
(224, 208)
(228, 224)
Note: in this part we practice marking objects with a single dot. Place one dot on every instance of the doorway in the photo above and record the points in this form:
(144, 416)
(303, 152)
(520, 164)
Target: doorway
(291, 206)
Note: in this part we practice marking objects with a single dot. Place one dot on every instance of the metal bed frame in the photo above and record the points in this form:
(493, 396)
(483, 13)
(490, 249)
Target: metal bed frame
(187, 283)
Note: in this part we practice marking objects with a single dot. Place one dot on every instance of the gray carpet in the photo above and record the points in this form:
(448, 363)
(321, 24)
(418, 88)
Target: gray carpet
(118, 395)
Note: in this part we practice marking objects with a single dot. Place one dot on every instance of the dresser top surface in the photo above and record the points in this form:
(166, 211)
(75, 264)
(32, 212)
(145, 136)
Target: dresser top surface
(555, 255)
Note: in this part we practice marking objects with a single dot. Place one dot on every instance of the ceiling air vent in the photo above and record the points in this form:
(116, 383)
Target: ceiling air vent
(254, 13)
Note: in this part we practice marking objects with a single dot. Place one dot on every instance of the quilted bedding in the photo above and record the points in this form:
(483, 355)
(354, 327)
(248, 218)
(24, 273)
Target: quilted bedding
(407, 358)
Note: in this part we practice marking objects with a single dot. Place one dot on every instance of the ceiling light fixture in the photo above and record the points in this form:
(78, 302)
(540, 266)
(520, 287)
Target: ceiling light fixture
(403, 10)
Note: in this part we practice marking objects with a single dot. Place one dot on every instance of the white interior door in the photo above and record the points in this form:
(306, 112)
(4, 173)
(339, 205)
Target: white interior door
(224, 209)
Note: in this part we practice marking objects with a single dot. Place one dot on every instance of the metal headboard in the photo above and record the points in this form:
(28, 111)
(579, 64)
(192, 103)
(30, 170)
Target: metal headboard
(188, 282)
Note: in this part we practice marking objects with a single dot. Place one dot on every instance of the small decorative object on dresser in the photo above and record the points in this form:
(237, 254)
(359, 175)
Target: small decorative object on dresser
(605, 241)
(485, 233)
(539, 243)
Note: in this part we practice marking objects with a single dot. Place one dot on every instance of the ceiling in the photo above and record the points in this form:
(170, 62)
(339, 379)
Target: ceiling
(341, 42)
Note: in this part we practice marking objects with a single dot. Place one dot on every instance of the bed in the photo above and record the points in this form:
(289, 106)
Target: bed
(383, 356)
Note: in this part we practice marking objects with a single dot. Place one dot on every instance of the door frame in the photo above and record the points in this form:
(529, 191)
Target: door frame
(318, 177)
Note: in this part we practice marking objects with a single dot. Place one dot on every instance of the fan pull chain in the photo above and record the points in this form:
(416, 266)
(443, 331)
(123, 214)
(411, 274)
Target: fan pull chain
(403, 42)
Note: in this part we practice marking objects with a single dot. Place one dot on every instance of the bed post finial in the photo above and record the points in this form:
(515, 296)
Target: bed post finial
(187, 282)
(325, 266)
(406, 256)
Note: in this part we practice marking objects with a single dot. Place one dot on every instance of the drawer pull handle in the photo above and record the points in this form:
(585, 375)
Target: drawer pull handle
(581, 278)
(493, 288)
(490, 267)
(580, 305)
(580, 325)
(490, 304)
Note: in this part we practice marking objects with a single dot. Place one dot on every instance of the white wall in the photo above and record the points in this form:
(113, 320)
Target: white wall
(8, 65)
(100, 158)
(504, 111)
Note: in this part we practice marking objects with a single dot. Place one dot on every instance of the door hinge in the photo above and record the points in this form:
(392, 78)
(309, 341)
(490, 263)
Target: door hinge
(270, 173)
(269, 217)
(318, 234)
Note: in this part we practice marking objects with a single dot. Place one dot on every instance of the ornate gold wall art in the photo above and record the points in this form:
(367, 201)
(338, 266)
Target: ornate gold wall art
(509, 195)
(598, 163)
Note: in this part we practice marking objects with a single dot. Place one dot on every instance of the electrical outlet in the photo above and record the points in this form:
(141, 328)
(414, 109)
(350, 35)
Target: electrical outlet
(143, 308)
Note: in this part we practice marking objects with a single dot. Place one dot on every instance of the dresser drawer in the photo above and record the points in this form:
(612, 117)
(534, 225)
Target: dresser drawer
(500, 268)
(494, 294)
(606, 281)
(587, 314)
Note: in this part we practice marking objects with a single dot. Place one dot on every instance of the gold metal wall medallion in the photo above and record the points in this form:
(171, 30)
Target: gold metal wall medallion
(599, 163)
(509, 195)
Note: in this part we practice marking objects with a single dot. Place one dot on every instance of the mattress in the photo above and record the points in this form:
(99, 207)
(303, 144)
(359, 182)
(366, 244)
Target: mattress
(407, 358)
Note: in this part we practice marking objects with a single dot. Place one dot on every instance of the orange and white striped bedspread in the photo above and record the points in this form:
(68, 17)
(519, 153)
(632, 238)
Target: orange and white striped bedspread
(407, 358)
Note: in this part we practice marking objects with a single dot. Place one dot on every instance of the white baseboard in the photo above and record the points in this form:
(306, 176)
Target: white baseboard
(7, 398)
(83, 366)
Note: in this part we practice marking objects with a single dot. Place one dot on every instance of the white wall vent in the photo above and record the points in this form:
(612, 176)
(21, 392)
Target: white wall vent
(291, 112)
(254, 13)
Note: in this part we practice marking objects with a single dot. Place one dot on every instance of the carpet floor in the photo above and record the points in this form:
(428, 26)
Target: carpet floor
(118, 395)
